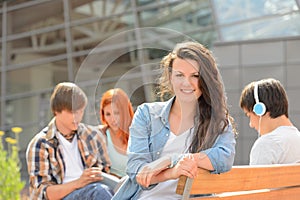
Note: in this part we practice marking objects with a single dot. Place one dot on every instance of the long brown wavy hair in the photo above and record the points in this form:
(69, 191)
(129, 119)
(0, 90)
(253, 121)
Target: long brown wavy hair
(118, 98)
(212, 112)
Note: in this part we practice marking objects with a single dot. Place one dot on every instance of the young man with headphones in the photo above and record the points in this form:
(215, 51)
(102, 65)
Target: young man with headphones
(266, 104)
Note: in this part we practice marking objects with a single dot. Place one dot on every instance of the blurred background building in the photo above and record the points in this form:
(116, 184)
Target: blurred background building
(101, 44)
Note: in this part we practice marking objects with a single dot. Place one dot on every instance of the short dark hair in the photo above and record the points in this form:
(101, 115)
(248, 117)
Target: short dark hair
(271, 93)
(67, 96)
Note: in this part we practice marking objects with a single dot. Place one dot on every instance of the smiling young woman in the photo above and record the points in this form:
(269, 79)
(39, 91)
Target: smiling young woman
(192, 129)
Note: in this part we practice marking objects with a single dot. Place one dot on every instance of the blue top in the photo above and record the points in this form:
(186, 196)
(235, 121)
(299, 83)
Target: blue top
(149, 132)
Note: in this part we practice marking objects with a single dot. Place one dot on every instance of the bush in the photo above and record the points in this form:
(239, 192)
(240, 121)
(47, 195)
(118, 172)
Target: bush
(10, 176)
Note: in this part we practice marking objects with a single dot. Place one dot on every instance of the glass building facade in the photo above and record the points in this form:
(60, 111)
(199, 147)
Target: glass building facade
(101, 44)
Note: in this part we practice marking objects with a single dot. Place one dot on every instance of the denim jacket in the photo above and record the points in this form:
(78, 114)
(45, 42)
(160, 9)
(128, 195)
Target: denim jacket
(149, 132)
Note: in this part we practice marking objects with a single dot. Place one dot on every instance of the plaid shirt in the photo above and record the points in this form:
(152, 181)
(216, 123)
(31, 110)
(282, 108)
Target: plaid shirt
(45, 161)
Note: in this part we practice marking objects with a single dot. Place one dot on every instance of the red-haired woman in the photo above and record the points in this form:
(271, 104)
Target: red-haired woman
(116, 114)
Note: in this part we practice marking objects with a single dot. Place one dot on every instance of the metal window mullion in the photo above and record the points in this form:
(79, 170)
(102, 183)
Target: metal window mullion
(3, 63)
(23, 5)
(216, 22)
(68, 36)
(298, 4)
(140, 49)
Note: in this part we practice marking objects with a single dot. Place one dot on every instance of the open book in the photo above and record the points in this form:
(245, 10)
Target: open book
(112, 181)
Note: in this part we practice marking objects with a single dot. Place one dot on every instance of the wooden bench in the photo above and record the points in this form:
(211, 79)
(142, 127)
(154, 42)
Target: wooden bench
(271, 182)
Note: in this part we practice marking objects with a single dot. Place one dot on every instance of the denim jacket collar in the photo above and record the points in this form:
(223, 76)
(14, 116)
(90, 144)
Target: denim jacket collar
(165, 112)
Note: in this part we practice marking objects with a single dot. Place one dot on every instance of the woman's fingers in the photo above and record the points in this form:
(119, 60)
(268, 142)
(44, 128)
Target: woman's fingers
(144, 177)
(188, 167)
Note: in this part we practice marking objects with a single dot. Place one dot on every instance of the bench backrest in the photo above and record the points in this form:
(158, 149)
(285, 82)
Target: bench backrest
(250, 182)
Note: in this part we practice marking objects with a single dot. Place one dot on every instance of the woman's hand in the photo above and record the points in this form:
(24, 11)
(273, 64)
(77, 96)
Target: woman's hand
(145, 175)
(186, 166)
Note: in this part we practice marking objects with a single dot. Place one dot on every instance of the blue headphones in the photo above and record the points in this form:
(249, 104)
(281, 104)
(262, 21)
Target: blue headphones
(259, 108)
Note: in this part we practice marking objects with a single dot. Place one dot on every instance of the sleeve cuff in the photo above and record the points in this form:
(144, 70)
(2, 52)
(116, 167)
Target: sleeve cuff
(174, 159)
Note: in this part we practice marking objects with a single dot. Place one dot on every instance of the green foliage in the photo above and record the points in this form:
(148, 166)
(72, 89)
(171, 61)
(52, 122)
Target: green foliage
(10, 176)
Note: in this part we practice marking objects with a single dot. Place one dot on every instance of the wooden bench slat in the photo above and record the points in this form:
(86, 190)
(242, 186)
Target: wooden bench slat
(239, 179)
(291, 193)
(243, 178)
